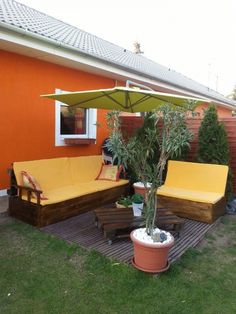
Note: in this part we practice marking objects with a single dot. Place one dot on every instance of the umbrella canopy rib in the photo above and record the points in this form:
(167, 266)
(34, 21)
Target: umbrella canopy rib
(87, 100)
(123, 99)
(166, 101)
(113, 99)
(140, 101)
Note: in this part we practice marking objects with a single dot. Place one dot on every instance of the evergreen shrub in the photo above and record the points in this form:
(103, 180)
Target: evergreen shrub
(213, 145)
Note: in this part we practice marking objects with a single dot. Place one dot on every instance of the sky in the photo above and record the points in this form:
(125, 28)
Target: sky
(196, 38)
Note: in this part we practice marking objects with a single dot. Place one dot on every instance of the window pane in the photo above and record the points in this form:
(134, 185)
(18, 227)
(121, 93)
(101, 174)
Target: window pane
(73, 120)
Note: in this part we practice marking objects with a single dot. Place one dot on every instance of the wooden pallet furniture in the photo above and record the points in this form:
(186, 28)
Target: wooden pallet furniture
(168, 221)
(119, 222)
(70, 186)
(194, 190)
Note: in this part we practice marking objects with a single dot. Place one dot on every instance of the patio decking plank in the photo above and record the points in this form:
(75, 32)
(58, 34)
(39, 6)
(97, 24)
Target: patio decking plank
(191, 236)
(82, 230)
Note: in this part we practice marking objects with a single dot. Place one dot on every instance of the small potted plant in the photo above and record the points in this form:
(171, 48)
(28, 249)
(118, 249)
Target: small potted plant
(124, 202)
(137, 203)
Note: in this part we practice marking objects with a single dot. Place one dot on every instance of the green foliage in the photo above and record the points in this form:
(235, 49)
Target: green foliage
(213, 146)
(146, 130)
(125, 201)
(162, 131)
(137, 198)
(163, 135)
(212, 140)
(116, 143)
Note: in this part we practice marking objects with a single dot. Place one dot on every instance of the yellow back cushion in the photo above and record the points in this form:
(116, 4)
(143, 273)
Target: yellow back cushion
(197, 176)
(50, 173)
(85, 168)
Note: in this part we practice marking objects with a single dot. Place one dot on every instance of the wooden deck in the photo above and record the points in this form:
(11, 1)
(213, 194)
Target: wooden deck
(82, 230)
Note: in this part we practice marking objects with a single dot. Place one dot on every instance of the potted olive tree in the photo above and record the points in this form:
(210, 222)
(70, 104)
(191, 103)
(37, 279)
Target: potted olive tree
(166, 130)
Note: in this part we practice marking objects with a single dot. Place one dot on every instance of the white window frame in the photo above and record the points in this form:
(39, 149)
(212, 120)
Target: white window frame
(91, 125)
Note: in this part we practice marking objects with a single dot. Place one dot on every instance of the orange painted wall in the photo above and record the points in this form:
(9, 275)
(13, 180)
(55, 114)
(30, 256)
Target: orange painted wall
(27, 122)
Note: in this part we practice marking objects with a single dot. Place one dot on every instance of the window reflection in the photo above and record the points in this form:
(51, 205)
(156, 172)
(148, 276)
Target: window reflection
(73, 120)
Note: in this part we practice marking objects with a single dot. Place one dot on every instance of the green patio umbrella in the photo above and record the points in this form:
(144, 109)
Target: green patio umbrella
(122, 98)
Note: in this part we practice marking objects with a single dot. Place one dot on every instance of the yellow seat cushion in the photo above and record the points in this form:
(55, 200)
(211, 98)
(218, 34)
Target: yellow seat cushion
(72, 191)
(103, 184)
(192, 195)
(49, 173)
(59, 194)
(65, 178)
(196, 176)
(85, 168)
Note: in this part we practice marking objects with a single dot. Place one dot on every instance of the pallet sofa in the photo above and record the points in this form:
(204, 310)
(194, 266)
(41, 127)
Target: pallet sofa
(194, 190)
(70, 186)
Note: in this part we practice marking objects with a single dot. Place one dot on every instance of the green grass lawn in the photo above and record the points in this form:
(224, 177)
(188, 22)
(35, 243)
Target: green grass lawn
(42, 274)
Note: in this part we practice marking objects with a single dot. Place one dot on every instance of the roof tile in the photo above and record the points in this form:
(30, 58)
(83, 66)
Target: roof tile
(24, 17)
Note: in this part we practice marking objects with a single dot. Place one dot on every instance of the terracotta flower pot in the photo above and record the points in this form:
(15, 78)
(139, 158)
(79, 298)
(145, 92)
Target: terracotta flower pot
(139, 189)
(151, 257)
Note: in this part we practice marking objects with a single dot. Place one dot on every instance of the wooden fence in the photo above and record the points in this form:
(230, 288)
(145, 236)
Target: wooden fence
(129, 124)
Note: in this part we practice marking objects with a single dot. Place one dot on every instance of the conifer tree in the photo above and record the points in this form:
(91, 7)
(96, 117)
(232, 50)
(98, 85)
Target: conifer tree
(213, 146)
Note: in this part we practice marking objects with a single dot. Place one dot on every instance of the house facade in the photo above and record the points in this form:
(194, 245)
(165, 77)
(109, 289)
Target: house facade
(40, 55)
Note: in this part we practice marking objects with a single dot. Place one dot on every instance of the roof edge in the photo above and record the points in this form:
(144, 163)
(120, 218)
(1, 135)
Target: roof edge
(227, 103)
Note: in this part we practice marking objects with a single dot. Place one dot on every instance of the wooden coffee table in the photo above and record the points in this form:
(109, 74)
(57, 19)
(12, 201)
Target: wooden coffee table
(168, 221)
(116, 222)
(119, 222)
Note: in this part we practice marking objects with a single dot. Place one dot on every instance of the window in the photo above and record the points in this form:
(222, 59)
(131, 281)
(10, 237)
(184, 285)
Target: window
(73, 120)
(74, 125)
